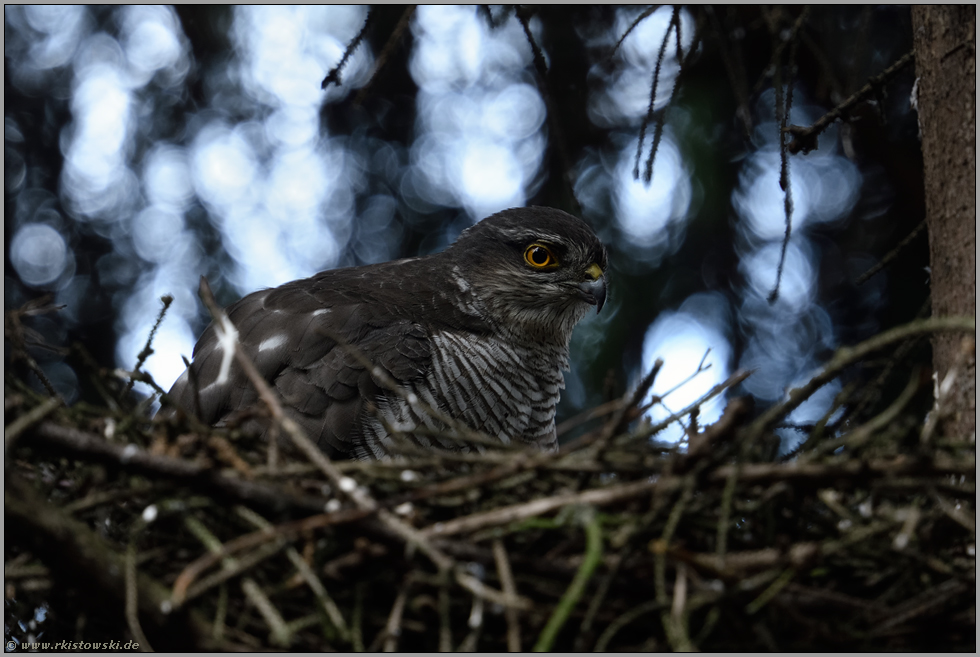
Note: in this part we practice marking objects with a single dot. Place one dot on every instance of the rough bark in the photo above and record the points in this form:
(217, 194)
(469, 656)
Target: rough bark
(945, 62)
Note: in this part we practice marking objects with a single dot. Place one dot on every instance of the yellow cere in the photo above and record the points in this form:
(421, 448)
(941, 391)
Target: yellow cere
(594, 271)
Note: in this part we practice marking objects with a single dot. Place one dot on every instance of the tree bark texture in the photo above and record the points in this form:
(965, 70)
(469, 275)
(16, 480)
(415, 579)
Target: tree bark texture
(945, 65)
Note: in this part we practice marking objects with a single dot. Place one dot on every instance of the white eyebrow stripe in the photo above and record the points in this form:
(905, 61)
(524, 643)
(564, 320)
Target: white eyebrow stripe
(321, 311)
(273, 342)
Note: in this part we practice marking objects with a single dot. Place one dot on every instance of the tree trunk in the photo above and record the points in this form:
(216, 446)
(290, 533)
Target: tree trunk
(945, 64)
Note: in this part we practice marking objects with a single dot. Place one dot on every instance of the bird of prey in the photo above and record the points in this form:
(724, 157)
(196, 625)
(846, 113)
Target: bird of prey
(479, 332)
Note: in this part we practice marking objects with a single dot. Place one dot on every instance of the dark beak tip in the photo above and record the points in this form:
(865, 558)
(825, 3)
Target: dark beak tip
(595, 292)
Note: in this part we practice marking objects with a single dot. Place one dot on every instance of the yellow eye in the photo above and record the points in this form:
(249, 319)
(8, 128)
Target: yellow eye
(540, 257)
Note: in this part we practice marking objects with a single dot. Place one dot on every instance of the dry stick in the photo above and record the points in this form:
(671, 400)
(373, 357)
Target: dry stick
(846, 356)
(636, 21)
(524, 510)
(132, 607)
(805, 139)
(858, 437)
(356, 635)
(653, 97)
(675, 620)
(445, 630)
(95, 448)
(147, 350)
(683, 64)
(392, 628)
(390, 46)
(334, 75)
(659, 546)
(922, 603)
(871, 393)
(510, 589)
(782, 117)
(956, 515)
(730, 382)
(190, 572)
(891, 255)
(280, 633)
(311, 578)
(623, 621)
(619, 419)
(13, 430)
(14, 331)
(588, 414)
(220, 613)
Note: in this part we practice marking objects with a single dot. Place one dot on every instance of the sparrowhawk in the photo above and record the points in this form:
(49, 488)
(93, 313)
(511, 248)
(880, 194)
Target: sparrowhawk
(479, 331)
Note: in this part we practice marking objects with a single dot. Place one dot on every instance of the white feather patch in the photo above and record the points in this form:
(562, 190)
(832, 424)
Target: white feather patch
(273, 342)
(227, 339)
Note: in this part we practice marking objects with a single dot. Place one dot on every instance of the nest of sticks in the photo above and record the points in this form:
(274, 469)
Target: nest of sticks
(181, 536)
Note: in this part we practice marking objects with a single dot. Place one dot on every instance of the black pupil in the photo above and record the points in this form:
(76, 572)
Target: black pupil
(539, 256)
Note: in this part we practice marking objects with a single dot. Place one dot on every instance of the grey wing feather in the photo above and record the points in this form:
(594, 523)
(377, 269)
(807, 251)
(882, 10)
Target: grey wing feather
(286, 333)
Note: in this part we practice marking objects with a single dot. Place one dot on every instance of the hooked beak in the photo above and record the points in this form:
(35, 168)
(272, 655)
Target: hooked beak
(594, 289)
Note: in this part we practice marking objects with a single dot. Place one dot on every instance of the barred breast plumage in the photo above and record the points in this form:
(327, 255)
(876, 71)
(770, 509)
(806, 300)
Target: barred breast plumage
(479, 332)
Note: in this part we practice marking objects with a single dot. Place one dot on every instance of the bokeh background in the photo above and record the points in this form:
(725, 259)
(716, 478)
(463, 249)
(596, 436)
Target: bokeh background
(145, 146)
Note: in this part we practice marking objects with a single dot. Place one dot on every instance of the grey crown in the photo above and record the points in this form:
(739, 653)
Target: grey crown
(476, 332)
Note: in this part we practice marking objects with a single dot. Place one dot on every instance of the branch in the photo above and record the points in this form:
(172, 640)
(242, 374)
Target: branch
(847, 356)
(203, 477)
(805, 139)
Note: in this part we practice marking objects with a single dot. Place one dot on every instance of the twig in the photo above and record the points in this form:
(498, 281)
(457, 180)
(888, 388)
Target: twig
(190, 572)
(648, 174)
(593, 555)
(891, 255)
(279, 633)
(516, 512)
(312, 580)
(782, 117)
(510, 589)
(855, 439)
(445, 629)
(639, 19)
(198, 475)
(624, 620)
(922, 603)
(730, 382)
(132, 606)
(392, 629)
(13, 430)
(147, 350)
(623, 415)
(333, 77)
(389, 47)
(805, 139)
(356, 634)
(763, 599)
(846, 356)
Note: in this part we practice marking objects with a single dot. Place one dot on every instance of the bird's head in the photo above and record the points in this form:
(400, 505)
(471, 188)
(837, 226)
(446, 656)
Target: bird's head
(536, 271)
